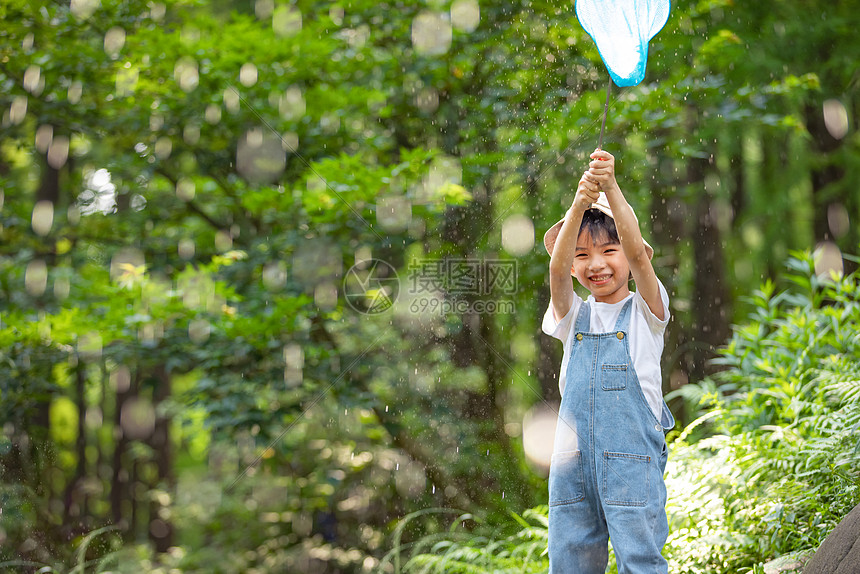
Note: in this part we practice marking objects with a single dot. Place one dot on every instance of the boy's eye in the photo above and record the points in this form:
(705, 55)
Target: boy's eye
(581, 255)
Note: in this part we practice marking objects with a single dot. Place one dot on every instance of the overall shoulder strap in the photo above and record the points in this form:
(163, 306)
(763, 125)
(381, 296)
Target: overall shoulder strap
(583, 319)
(623, 322)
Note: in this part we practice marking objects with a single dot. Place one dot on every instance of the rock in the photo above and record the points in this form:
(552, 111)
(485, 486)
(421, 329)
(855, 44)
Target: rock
(788, 564)
(840, 551)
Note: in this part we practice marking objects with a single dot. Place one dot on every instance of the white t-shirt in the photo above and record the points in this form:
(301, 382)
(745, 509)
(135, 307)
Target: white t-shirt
(645, 332)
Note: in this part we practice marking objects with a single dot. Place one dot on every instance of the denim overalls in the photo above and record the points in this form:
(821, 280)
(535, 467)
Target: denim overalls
(606, 478)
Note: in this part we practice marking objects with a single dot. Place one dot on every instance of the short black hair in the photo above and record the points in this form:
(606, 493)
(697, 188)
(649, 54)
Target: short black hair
(597, 224)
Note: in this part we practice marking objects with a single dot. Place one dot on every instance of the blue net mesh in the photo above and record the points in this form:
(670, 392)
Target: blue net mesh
(621, 29)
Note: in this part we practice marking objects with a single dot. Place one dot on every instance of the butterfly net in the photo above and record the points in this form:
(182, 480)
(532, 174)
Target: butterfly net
(622, 29)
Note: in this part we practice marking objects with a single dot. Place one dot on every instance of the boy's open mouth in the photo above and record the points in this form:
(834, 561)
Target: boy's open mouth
(600, 279)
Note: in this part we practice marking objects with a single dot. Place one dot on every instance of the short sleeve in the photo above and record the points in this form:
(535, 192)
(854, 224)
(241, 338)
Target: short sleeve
(560, 329)
(655, 324)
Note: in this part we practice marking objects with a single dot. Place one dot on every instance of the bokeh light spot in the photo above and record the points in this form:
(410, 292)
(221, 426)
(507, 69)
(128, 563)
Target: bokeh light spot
(114, 41)
(431, 33)
(518, 235)
(44, 137)
(33, 80)
(294, 362)
(186, 74)
(264, 8)
(410, 479)
(83, 9)
(18, 110)
(275, 275)
(393, 212)
(835, 118)
(199, 330)
(43, 217)
(287, 21)
(137, 418)
(260, 156)
(36, 277)
(58, 152)
(248, 74)
(539, 426)
(76, 90)
(163, 147)
(465, 15)
(212, 114)
(185, 189)
(292, 105)
(186, 248)
(838, 219)
(828, 260)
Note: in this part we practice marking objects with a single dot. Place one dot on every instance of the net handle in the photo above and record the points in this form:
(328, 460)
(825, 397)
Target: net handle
(605, 110)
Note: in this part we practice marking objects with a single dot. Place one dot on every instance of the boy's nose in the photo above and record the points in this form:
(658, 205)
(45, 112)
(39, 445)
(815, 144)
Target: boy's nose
(596, 263)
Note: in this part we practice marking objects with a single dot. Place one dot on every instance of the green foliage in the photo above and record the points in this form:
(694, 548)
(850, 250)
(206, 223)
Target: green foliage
(81, 564)
(474, 550)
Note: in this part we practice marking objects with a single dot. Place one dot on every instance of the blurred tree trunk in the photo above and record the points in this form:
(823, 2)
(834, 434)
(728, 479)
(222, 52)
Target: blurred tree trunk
(826, 172)
(49, 183)
(549, 352)
(124, 390)
(667, 223)
(74, 499)
(710, 303)
(161, 527)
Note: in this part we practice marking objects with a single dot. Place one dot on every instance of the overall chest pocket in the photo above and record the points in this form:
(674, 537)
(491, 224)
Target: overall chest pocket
(566, 480)
(613, 377)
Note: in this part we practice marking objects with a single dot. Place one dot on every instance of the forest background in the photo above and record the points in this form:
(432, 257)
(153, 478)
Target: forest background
(272, 278)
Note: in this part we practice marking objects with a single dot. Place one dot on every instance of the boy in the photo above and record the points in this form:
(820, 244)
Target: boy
(606, 476)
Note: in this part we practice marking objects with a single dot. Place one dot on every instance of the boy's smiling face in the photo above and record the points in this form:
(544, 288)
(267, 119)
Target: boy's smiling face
(601, 267)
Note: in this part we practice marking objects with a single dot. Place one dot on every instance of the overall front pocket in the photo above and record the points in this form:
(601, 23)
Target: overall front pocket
(626, 478)
(613, 377)
(566, 481)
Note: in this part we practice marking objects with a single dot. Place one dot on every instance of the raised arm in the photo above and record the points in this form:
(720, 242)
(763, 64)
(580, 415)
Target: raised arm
(602, 172)
(561, 262)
